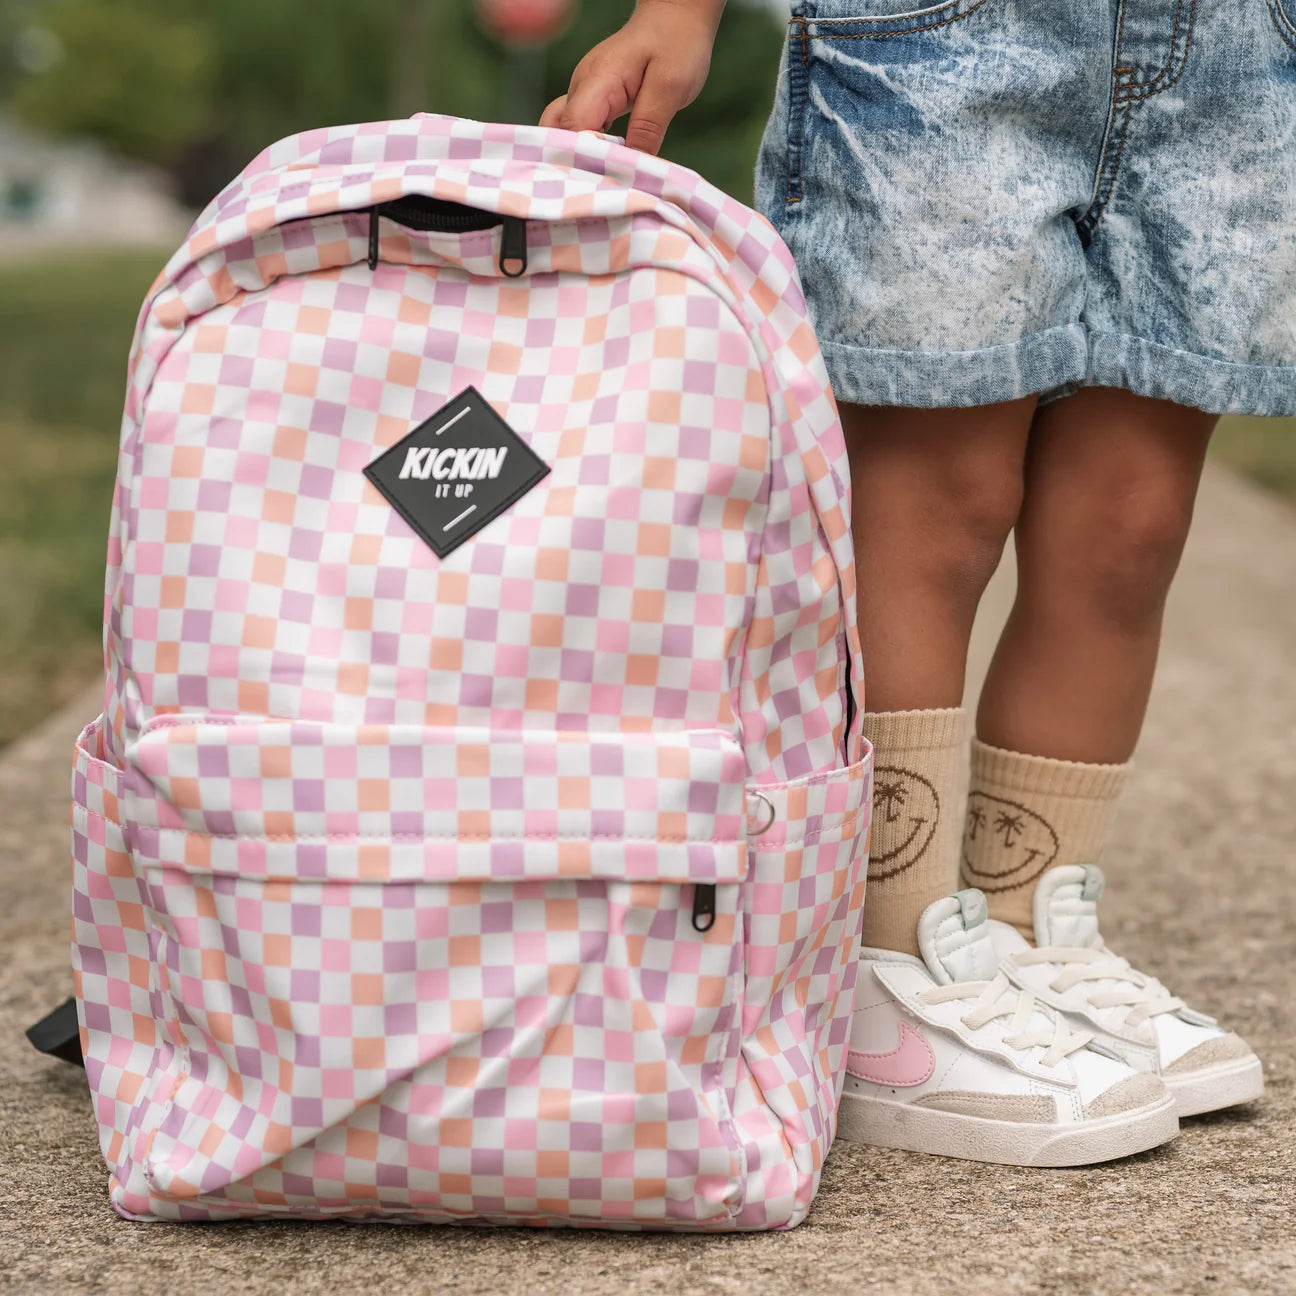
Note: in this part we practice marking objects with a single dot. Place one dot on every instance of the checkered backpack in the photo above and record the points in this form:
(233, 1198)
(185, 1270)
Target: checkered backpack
(476, 826)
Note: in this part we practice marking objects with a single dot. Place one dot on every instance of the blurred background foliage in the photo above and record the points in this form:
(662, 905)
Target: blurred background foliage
(64, 330)
(197, 88)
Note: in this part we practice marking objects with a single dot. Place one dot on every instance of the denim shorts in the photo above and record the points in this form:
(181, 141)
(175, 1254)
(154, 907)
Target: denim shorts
(992, 198)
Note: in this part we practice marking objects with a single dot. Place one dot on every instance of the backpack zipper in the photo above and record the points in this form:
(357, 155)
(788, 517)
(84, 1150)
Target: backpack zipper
(513, 248)
(704, 906)
(436, 215)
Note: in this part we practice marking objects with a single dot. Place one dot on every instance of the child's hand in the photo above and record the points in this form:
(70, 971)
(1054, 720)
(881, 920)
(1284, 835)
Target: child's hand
(654, 66)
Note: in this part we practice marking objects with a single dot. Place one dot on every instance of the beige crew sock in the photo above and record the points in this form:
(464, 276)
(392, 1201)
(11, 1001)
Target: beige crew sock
(1027, 814)
(913, 853)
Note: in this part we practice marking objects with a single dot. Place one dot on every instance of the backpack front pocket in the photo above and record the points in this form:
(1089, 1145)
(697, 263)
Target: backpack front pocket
(443, 973)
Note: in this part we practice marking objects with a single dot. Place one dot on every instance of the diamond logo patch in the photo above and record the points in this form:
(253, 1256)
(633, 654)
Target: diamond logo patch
(456, 472)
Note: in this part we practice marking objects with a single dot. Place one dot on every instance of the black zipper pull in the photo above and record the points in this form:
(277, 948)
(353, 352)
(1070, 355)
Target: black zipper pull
(373, 238)
(513, 248)
(704, 911)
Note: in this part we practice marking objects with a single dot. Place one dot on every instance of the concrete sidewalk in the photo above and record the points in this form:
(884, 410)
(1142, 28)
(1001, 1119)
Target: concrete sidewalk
(1203, 892)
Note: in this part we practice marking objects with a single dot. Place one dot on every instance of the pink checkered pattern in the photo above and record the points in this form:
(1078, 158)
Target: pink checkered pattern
(385, 864)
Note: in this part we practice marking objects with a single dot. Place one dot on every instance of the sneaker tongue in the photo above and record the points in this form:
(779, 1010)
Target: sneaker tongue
(1066, 906)
(955, 939)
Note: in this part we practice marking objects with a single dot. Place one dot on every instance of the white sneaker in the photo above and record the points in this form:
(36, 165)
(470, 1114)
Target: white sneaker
(1132, 1014)
(948, 1057)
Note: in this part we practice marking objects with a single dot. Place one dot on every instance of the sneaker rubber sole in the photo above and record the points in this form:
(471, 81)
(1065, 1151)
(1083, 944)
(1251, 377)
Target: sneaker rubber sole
(1225, 1084)
(880, 1123)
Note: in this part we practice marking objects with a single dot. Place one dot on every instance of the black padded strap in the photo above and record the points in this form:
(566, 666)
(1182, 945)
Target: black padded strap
(58, 1034)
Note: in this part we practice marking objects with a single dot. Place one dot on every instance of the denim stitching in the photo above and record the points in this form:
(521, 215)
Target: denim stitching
(798, 99)
(900, 31)
(1107, 180)
(798, 89)
(1131, 92)
(1174, 47)
(1116, 165)
(1102, 176)
(1285, 27)
(884, 18)
(1120, 37)
(1148, 94)
(1183, 64)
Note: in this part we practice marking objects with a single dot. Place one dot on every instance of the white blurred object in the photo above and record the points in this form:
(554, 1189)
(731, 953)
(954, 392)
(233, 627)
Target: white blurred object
(55, 191)
(37, 50)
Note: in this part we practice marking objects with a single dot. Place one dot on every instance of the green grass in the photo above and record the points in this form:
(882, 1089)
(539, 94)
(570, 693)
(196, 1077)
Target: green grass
(65, 328)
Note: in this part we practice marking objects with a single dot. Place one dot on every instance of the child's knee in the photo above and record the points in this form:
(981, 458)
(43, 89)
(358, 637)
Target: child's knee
(964, 521)
(937, 492)
(952, 546)
(1123, 560)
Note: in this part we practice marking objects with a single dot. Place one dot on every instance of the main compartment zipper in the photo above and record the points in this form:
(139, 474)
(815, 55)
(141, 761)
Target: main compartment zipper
(438, 215)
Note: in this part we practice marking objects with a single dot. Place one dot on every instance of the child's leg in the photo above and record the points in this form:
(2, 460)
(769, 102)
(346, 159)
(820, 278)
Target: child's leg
(1110, 484)
(932, 1066)
(936, 493)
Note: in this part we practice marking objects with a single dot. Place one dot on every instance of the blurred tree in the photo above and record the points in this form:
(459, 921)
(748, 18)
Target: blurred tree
(717, 135)
(18, 19)
(409, 70)
(120, 61)
(288, 66)
(200, 87)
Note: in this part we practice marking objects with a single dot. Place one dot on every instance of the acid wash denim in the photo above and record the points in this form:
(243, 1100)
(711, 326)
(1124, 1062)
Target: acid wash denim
(992, 198)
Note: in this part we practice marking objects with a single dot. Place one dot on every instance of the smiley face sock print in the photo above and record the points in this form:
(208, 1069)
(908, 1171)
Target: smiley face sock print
(1026, 814)
(913, 855)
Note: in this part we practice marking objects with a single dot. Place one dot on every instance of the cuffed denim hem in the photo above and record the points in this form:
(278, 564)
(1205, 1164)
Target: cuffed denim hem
(1037, 362)
(1055, 363)
(1216, 386)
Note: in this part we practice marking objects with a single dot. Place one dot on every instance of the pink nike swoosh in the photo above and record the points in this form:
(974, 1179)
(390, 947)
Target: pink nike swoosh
(909, 1063)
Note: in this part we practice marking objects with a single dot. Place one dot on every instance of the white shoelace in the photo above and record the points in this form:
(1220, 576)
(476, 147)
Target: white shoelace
(1000, 998)
(1143, 995)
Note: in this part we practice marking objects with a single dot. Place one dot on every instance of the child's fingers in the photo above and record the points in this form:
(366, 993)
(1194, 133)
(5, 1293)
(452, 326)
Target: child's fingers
(594, 100)
(658, 100)
(553, 115)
